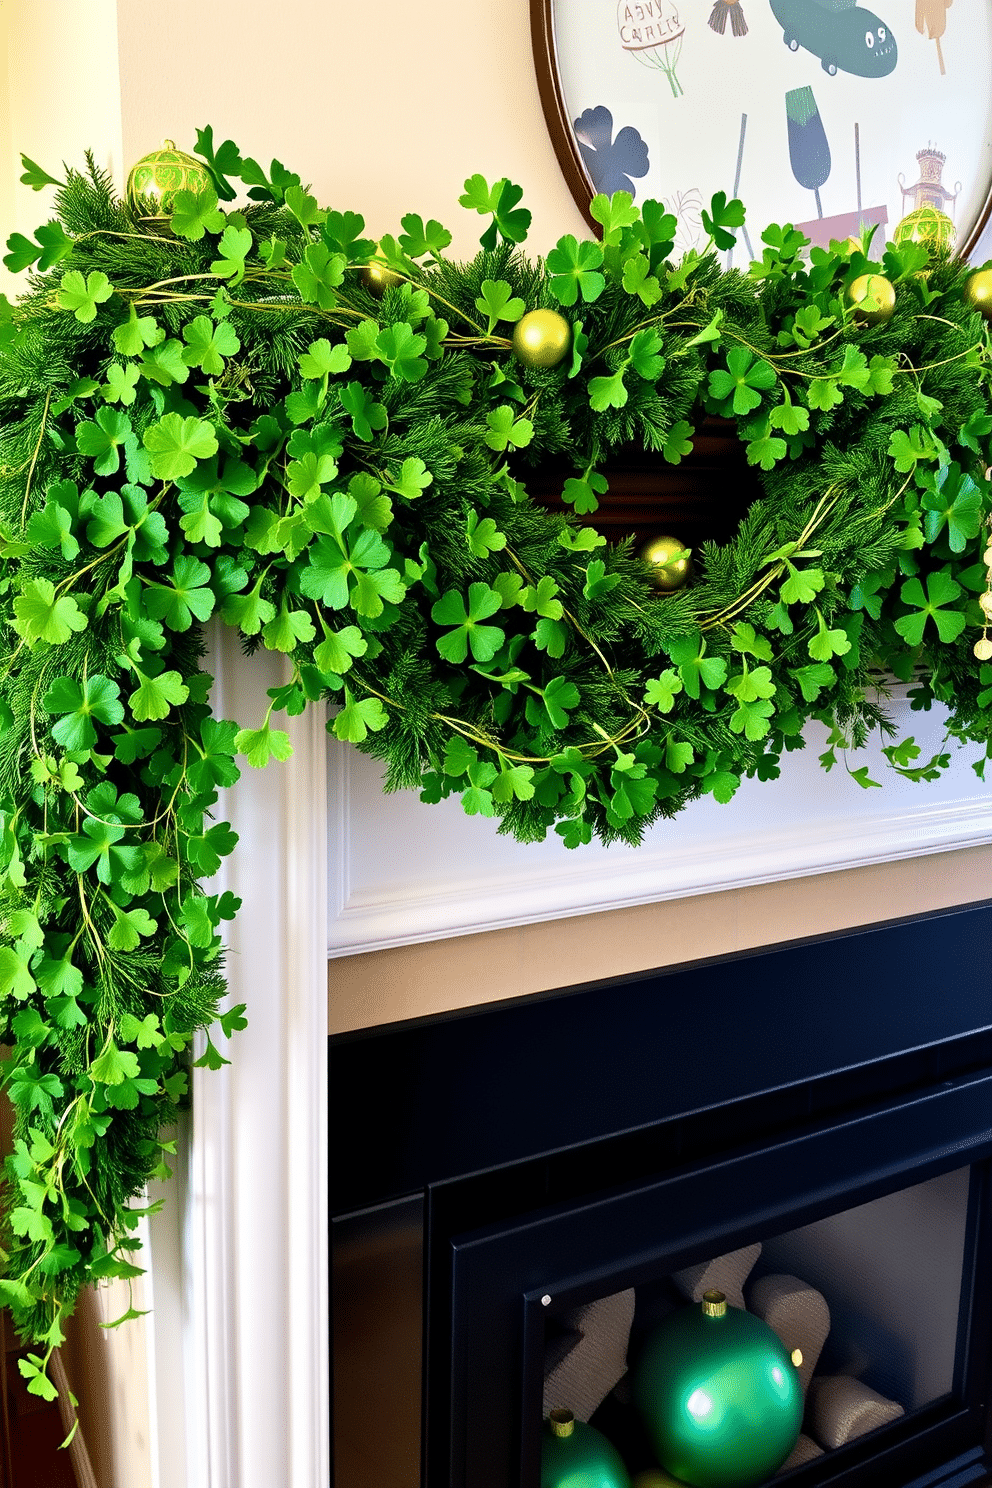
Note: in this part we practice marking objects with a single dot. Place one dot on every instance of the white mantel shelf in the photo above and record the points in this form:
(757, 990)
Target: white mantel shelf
(400, 872)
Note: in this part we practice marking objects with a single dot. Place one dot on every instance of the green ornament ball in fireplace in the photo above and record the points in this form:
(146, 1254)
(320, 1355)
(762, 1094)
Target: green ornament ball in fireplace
(719, 1395)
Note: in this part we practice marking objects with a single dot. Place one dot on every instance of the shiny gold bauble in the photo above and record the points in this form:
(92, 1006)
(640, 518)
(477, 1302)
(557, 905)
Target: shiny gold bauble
(926, 225)
(670, 560)
(541, 338)
(985, 600)
(378, 276)
(154, 181)
(978, 292)
(877, 290)
(983, 649)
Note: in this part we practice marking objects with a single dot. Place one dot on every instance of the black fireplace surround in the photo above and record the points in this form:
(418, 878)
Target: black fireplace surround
(548, 1150)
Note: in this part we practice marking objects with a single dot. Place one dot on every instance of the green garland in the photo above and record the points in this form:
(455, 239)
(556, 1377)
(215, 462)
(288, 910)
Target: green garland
(217, 416)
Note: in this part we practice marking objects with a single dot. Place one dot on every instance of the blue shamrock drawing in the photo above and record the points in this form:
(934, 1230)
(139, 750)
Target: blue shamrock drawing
(611, 163)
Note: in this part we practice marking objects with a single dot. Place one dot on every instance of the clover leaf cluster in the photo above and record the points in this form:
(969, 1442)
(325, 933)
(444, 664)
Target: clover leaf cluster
(225, 416)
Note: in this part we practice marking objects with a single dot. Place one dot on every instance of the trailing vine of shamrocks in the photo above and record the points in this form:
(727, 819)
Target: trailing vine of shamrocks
(228, 415)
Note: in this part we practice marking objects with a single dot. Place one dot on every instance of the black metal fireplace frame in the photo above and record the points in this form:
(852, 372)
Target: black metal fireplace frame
(711, 1082)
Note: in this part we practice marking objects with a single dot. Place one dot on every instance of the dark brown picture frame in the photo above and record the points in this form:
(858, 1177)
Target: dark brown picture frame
(563, 138)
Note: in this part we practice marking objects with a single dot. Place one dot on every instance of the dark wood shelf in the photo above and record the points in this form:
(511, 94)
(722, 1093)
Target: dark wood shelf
(702, 498)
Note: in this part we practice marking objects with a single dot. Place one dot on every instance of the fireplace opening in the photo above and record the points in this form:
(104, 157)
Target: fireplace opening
(525, 1191)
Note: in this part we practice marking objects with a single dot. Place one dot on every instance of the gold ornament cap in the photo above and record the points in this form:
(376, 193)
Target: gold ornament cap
(562, 1422)
(872, 297)
(541, 338)
(714, 1304)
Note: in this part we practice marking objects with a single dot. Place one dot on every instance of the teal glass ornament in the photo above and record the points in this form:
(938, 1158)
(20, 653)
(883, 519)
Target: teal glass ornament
(719, 1395)
(574, 1455)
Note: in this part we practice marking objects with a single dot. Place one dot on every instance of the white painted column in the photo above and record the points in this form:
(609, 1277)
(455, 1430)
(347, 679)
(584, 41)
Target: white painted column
(243, 1313)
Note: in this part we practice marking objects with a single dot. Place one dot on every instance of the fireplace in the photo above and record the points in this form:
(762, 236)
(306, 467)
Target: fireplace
(822, 1108)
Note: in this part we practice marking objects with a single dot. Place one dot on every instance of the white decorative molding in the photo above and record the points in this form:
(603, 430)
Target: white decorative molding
(243, 1268)
(401, 872)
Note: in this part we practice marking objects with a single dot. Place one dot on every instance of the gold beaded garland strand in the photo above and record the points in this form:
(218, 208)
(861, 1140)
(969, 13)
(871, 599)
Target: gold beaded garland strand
(983, 646)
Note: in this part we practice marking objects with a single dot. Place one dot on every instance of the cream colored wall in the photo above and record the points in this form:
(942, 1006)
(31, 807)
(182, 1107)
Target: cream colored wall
(384, 108)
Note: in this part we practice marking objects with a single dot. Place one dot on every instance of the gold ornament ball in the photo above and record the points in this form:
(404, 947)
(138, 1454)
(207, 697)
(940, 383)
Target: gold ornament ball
(378, 276)
(155, 179)
(671, 563)
(978, 292)
(985, 600)
(873, 298)
(983, 649)
(926, 225)
(541, 338)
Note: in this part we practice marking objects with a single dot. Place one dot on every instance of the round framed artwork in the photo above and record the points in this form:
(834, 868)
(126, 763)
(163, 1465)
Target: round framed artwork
(823, 113)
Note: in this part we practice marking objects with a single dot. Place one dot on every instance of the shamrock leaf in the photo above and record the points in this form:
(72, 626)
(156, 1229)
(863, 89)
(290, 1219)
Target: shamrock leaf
(208, 344)
(321, 359)
(560, 698)
(99, 844)
(176, 443)
(287, 629)
(412, 481)
(121, 384)
(79, 703)
(234, 246)
(418, 239)
(163, 363)
(582, 494)
(401, 349)
(907, 450)
(613, 213)
(941, 591)
(156, 696)
(39, 616)
(497, 301)
(828, 643)
(136, 333)
(638, 280)
(509, 221)
(319, 275)
(358, 718)
(262, 744)
(644, 358)
(483, 536)
(303, 206)
(662, 691)
(339, 648)
(574, 269)
(468, 632)
(678, 442)
(195, 213)
(505, 428)
(955, 502)
(739, 388)
(721, 217)
(366, 415)
(696, 669)
(101, 440)
(752, 719)
(187, 595)
(608, 392)
(82, 296)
